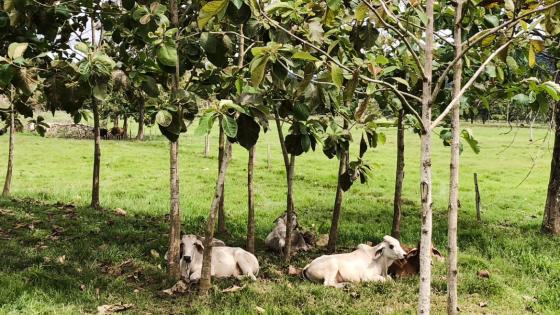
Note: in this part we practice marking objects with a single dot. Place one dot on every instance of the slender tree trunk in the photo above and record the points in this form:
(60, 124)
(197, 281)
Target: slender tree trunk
(452, 271)
(250, 202)
(333, 234)
(140, 134)
(399, 178)
(173, 266)
(223, 149)
(116, 121)
(9, 170)
(207, 146)
(426, 168)
(205, 280)
(551, 219)
(96, 156)
(289, 164)
(125, 126)
(290, 209)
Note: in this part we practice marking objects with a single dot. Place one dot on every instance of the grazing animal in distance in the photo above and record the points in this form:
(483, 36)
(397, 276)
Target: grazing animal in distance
(226, 261)
(103, 132)
(276, 239)
(366, 263)
(118, 133)
(410, 264)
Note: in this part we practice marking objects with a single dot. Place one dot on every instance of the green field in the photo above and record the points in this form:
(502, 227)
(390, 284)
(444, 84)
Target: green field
(34, 279)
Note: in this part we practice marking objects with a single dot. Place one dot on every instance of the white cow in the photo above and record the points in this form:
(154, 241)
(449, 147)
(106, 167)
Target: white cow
(276, 239)
(366, 263)
(226, 261)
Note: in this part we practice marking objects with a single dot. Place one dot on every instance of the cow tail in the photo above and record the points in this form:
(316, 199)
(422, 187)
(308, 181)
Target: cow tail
(304, 273)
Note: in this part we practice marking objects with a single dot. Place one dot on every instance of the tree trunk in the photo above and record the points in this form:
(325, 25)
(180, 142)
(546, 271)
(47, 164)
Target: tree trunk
(205, 279)
(173, 266)
(140, 134)
(399, 178)
(125, 126)
(426, 168)
(96, 156)
(333, 234)
(452, 271)
(116, 121)
(207, 146)
(250, 202)
(9, 170)
(290, 209)
(223, 147)
(289, 164)
(551, 220)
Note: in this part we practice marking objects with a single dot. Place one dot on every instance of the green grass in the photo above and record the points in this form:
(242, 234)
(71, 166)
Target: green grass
(524, 265)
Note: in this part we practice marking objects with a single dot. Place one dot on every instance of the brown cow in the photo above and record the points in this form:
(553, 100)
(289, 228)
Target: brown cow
(118, 133)
(410, 265)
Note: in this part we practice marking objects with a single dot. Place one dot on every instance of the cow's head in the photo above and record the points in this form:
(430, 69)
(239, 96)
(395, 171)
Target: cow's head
(190, 246)
(283, 219)
(390, 248)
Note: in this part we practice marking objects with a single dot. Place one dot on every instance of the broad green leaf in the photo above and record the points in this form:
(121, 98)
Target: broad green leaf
(205, 123)
(6, 74)
(488, 40)
(532, 57)
(334, 4)
(491, 71)
(422, 16)
(500, 73)
(258, 68)
(467, 135)
(16, 50)
(210, 10)
(538, 45)
(167, 55)
(164, 118)
(82, 47)
(521, 99)
(140, 12)
(336, 75)
(492, 19)
(100, 92)
(304, 55)
(509, 5)
(553, 89)
(512, 64)
(237, 3)
(316, 31)
(230, 126)
(402, 81)
(301, 111)
(361, 12)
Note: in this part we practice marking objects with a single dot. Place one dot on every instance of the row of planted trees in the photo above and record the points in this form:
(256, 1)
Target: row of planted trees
(325, 70)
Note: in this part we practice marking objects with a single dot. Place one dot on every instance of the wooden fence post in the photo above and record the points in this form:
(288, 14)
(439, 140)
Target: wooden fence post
(477, 197)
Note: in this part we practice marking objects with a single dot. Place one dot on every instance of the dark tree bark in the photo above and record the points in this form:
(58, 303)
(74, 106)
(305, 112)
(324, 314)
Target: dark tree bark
(140, 134)
(125, 126)
(289, 164)
(223, 151)
(333, 234)
(399, 178)
(250, 202)
(173, 266)
(551, 219)
(205, 279)
(96, 156)
(9, 170)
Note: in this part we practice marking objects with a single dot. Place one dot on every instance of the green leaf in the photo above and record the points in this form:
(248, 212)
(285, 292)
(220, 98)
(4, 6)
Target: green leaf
(301, 111)
(257, 68)
(100, 92)
(230, 126)
(491, 71)
(552, 88)
(316, 31)
(16, 50)
(500, 73)
(128, 4)
(6, 74)
(82, 47)
(509, 5)
(164, 118)
(402, 81)
(211, 9)
(304, 55)
(205, 123)
(492, 19)
(167, 55)
(467, 135)
(361, 12)
(488, 40)
(334, 4)
(336, 75)
(422, 16)
(512, 64)
(140, 12)
(521, 99)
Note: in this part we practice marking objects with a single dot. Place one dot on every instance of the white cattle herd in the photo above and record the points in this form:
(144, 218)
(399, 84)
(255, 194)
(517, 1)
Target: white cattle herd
(366, 263)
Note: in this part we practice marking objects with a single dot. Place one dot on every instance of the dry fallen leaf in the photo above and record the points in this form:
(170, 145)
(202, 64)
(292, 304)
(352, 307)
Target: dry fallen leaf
(260, 310)
(113, 308)
(154, 253)
(483, 304)
(61, 259)
(483, 274)
(82, 287)
(120, 212)
(293, 271)
(179, 287)
(233, 289)
(369, 243)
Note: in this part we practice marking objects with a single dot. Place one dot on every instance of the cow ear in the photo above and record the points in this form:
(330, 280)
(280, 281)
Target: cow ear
(199, 246)
(437, 254)
(379, 252)
(181, 249)
(413, 252)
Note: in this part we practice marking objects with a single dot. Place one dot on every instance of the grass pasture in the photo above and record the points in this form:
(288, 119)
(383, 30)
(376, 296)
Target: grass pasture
(60, 260)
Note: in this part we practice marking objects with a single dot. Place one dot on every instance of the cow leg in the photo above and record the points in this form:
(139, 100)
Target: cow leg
(245, 265)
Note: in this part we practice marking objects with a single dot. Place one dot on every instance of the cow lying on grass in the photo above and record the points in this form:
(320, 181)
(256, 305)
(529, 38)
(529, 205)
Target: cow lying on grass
(276, 240)
(226, 261)
(366, 263)
(410, 264)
